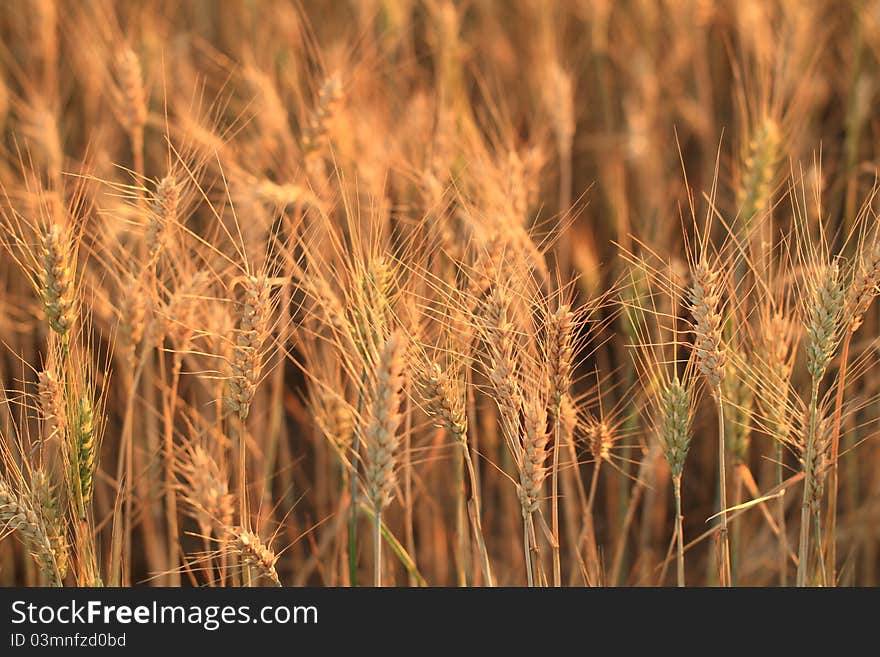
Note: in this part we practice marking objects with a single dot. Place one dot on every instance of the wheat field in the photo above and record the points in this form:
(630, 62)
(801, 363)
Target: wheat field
(435, 293)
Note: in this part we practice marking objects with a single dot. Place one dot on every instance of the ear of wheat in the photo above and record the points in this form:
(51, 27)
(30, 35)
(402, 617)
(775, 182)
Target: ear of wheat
(675, 422)
(864, 286)
(318, 123)
(47, 505)
(814, 460)
(132, 86)
(255, 554)
(205, 489)
(442, 401)
(18, 514)
(533, 457)
(823, 320)
(84, 438)
(57, 280)
(705, 299)
(372, 311)
(759, 168)
(163, 215)
(824, 314)
(132, 316)
(560, 353)
(778, 338)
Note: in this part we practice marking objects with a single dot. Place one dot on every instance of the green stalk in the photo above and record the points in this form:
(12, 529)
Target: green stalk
(554, 499)
(460, 537)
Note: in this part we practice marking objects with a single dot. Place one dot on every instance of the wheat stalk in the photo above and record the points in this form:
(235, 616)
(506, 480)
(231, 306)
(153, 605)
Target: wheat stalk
(57, 280)
(705, 303)
(445, 403)
(84, 438)
(254, 553)
(759, 170)
(134, 103)
(132, 87)
(318, 124)
(47, 505)
(51, 400)
(205, 489)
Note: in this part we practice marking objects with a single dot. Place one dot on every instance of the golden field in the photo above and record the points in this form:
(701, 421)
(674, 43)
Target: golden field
(434, 293)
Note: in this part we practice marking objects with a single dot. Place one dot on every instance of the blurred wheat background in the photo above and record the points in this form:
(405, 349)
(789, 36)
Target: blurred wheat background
(422, 292)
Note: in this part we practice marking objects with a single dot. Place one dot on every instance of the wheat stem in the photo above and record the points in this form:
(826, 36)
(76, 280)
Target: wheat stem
(377, 546)
(527, 548)
(353, 489)
(722, 483)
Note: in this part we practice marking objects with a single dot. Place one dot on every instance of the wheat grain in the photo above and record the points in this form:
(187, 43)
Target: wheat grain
(675, 423)
(252, 330)
(17, 514)
(441, 399)
(51, 403)
(380, 434)
(533, 457)
(84, 436)
(255, 554)
(759, 170)
(57, 280)
(600, 439)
